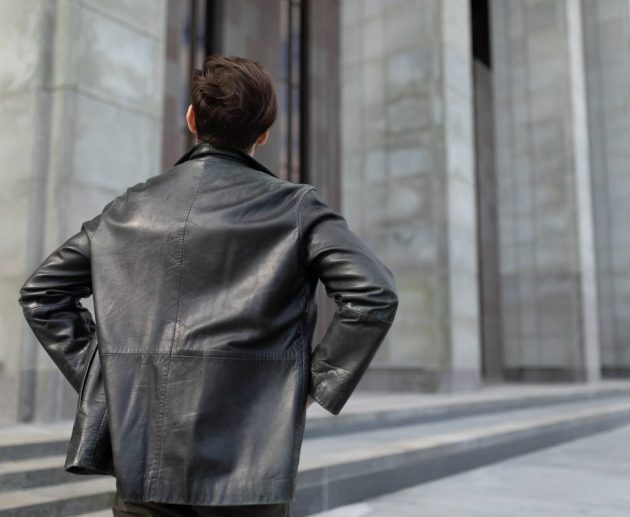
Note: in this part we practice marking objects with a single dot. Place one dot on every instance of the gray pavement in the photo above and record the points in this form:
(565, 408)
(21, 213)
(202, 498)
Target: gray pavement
(585, 477)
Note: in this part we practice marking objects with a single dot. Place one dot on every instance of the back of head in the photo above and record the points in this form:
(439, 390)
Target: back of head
(233, 100)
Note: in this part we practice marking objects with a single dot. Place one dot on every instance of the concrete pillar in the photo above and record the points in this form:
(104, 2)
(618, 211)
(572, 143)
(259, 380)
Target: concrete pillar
(607, 59)
(408, 181)
(252, 29)
(321, 122)
(81, 84)
(547, 248)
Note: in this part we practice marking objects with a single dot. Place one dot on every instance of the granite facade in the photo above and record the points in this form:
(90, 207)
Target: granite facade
(548, 280)
(606, 27)
(82, 84)
(408, 180)
(498, 195)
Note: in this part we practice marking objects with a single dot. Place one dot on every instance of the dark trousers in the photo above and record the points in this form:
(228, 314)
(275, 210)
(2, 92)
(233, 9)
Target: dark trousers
(121, 508)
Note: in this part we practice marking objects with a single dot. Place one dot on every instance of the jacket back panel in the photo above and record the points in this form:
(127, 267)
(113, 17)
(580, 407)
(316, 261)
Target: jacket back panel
(205, 353)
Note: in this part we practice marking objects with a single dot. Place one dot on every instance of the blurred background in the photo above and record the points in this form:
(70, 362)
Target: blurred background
(481, 148)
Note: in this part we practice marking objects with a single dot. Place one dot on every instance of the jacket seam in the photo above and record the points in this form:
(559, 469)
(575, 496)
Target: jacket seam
(168, 365)
(304, 386)
(208, 356)
(181, 256)
(366, 315)
(87, 257)
(87, 369)
(119, 197)
(300, 419)
(299, 225)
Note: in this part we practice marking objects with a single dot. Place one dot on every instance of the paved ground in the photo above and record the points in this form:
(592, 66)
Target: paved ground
(585, 477)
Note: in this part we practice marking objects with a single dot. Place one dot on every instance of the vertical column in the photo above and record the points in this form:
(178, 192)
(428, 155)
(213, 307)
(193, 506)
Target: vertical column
(607, 59)
(89, 125)
(252, 29)
(544, 203)
(179, 45)
(24, 111)
(461, 271)
(321, 122)
(408, 181)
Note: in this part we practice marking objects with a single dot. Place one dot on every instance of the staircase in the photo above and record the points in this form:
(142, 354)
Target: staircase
(378, 444)
(33, 481)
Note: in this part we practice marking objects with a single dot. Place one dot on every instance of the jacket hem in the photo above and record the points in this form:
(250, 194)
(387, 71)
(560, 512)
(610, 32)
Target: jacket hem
(89, 471)
(217, 493)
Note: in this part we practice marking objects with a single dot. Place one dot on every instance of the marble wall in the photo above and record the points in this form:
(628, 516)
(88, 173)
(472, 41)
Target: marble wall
(408, 180)
(606, 27)
(390, 141)
(82, 83)
(252, 29)
(549, 291)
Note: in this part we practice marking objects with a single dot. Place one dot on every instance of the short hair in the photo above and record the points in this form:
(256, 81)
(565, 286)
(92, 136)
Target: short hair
(233, 100)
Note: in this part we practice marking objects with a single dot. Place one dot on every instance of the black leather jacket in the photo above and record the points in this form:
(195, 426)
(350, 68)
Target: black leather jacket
(193, 381)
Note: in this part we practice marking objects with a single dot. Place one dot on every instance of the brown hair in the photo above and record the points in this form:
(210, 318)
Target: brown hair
(233, 100)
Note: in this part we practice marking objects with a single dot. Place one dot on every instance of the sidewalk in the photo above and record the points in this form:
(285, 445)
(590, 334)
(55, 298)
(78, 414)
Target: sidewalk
(586, 477)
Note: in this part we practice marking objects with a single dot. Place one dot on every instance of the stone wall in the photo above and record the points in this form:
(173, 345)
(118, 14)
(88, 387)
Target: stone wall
(251, 28)
(408, 180)
(549, 292)
(607, 61)
(81, 83)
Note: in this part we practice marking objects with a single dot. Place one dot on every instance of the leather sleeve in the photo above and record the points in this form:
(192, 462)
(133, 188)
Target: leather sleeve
(364, 290)
(50, 302)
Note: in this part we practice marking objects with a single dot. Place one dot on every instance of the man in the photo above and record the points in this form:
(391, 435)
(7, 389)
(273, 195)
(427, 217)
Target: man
(195, 378)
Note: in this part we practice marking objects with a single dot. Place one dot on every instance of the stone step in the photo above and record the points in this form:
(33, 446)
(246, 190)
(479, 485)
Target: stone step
(350, 465)
(33, 472)
(24, 441)
(366, 411)
(59, 500)
(588, 476)
(344, 469)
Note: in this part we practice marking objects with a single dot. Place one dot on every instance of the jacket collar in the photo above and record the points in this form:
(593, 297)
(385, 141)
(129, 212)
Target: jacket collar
(203, 149)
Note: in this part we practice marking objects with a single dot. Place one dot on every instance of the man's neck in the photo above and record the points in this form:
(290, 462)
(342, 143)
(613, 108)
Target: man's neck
(250, 152)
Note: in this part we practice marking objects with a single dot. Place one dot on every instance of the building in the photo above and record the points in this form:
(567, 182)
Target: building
(481, 148)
